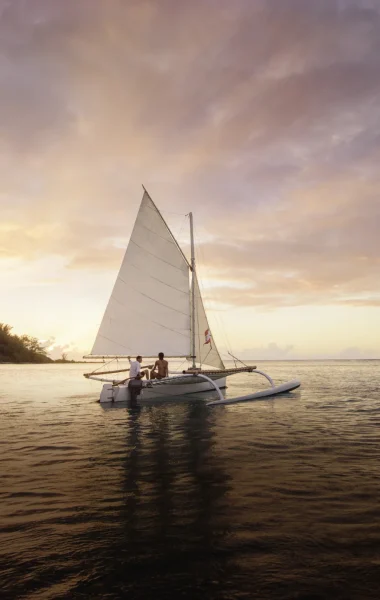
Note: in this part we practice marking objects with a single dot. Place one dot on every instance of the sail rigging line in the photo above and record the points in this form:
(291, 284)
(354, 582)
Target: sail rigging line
(204, 360)
(182, 364)
(199, 337)
(103, 365)
(155, 278)
(179, 233)
(167, 227)
(217, 315)
(237, 359)
(155, 256)
(107, 372)
(150, 298)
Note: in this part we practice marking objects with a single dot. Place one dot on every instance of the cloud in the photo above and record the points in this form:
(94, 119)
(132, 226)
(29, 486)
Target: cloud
(320, 246)
(269, 352)
(83, 245)
(56, 350)
(355, 353)
(262, 118)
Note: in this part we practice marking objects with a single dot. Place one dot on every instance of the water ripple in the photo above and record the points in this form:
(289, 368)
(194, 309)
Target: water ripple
(271, 499)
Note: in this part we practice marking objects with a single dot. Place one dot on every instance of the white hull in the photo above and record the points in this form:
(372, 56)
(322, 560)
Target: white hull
(272, 391)
(121, 393)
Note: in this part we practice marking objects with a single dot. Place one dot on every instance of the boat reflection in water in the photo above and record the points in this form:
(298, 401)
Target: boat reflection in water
(171, 530)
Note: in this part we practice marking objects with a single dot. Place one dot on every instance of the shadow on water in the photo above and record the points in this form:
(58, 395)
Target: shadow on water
(173, 523)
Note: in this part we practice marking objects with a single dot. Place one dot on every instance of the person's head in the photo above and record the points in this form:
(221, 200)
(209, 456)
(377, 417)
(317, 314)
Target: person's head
(139, 358)
(161, 356)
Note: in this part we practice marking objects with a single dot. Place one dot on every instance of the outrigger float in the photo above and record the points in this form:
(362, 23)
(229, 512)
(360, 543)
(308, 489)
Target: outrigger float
(156, 305)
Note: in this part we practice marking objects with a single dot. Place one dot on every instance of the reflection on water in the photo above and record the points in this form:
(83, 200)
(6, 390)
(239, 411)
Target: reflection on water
(175, 515)
(271, 499)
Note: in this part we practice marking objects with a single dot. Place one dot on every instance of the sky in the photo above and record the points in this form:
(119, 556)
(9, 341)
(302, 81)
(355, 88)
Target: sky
(260, 116)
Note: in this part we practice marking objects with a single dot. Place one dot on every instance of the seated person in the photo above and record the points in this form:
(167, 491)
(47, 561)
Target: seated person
(162, 367)
(135, 371)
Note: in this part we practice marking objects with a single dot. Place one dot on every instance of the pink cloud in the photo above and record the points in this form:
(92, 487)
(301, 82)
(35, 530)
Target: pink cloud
(261, 118)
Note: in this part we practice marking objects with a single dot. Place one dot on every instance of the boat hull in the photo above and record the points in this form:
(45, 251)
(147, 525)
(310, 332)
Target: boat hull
(283, 388)
(121, 393)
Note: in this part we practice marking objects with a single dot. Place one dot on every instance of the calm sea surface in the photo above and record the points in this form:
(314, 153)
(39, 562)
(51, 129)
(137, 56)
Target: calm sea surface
(275, 498)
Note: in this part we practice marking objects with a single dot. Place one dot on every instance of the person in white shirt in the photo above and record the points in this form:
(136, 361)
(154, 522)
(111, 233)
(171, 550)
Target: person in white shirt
(135, 371)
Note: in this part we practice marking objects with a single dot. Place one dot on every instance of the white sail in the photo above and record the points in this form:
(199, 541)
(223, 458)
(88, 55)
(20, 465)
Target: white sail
(206, 351)
(149, 308)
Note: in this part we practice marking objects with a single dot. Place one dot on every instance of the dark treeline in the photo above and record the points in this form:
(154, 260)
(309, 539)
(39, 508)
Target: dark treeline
(20, 348)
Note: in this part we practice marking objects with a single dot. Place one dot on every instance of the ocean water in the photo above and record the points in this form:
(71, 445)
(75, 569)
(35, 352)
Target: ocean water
(276, 498)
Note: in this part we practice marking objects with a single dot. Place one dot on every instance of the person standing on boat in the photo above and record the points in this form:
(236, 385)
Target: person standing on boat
(162, 367)
(135, 371)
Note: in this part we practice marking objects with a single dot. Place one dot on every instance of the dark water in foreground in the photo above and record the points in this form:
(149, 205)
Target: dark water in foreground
(271, 499)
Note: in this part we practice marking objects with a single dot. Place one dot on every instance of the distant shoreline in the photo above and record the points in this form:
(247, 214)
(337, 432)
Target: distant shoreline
(249, 360)
(27, 350)
(53, 362)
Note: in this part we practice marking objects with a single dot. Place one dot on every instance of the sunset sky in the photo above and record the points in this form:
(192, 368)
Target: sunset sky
(262, 117)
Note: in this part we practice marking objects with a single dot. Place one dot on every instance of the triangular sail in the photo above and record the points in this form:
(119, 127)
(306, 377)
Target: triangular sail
(149, 308)
(206, 351)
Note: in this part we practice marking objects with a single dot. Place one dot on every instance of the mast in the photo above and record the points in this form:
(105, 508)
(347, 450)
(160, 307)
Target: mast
(192, 290)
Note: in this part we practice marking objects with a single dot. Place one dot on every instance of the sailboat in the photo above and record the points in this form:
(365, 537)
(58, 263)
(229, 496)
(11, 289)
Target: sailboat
(156, 306)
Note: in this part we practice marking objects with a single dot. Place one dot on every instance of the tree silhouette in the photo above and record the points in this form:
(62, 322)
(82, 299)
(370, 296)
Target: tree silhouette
(19, 349)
